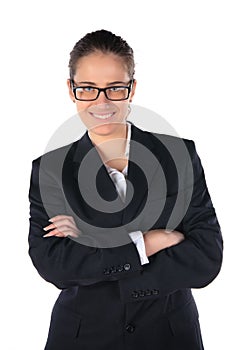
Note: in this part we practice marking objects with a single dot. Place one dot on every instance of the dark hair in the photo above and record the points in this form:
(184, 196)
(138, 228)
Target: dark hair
(106, 42)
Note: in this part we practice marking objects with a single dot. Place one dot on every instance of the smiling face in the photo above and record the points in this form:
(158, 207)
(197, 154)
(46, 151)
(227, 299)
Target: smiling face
(102, 117)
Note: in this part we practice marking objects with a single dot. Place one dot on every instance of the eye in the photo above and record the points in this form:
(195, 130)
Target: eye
(116, 88)
(85, 89)
(88, 89)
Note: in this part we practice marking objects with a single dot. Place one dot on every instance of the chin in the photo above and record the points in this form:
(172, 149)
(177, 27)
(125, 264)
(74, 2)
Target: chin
(104, 129)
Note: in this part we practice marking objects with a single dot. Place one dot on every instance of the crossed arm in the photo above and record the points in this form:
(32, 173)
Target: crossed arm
(155, 240)
(193, 263)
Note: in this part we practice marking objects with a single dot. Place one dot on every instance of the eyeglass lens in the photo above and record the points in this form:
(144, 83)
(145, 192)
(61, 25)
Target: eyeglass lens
(112, 93)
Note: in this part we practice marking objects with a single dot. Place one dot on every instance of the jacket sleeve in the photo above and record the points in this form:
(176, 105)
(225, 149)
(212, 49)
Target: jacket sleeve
(63, 261)
(194, 262)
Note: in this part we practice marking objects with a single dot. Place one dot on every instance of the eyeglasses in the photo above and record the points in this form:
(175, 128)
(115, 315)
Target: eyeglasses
(112, 93)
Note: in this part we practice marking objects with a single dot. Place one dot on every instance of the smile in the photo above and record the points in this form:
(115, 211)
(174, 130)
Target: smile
(102, 116)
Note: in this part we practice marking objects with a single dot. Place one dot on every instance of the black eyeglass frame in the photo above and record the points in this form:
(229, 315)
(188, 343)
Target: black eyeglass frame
(73, 87)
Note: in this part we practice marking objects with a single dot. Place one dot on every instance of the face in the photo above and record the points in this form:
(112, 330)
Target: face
(102, 116)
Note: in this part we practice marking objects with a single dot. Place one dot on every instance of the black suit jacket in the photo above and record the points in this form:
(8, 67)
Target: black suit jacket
(108, 299)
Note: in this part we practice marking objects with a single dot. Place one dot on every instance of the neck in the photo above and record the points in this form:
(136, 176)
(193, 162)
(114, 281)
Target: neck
(111, 146)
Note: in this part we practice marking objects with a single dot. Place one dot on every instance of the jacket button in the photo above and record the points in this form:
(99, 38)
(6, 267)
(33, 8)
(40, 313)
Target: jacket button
(155, 291)
(113, 269)
(120, 268)
(127, 267)
(130, 328)
(148, 292)
(135, 294)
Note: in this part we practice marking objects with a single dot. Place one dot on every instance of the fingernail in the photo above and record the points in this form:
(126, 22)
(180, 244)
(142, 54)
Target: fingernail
(51, 220)
(45, 228)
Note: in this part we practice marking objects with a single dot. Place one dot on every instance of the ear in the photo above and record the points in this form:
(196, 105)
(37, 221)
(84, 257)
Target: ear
(132, 90)
(71, 94)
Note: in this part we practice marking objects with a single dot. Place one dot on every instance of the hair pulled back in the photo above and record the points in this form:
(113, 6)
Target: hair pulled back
(103, 41)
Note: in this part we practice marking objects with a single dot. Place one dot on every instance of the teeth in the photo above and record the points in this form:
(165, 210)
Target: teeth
(100, 116)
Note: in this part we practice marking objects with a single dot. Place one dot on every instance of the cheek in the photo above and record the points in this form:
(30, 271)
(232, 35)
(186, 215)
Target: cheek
(82, 106)
(123, 109)
(82, 110)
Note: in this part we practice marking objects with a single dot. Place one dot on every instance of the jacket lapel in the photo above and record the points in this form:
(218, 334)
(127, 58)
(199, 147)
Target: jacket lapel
(85, 186)
(93, 172)
(141, 170)
(77, 163)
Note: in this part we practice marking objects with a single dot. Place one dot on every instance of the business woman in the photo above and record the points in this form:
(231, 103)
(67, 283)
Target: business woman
(121, 220)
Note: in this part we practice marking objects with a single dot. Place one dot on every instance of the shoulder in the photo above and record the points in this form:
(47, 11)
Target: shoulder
(56, 155)
(161, 141)
(176, 142)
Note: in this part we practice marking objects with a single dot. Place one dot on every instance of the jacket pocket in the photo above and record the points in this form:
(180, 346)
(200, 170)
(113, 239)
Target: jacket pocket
(184, 319)
(65, 324)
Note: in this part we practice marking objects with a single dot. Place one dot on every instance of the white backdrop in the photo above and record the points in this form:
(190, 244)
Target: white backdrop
(183, 51)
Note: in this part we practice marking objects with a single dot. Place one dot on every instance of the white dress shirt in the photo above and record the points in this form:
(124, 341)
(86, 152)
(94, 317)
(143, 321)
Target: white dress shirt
(119, 180)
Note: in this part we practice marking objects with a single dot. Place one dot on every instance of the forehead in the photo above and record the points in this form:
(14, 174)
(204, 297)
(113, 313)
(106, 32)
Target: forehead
(100, 67)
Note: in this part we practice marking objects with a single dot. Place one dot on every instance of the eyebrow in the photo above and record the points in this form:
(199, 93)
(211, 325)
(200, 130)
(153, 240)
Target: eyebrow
(108, 84)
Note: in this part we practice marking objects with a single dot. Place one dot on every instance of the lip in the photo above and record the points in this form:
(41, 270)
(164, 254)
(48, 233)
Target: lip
(102, 116)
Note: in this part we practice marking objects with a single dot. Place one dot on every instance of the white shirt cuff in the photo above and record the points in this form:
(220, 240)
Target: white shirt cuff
(137, 238)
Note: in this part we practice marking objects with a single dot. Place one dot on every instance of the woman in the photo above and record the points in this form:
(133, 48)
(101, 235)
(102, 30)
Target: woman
(117, 222)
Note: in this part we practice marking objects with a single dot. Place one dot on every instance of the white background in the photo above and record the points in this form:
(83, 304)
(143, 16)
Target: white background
(183, 51)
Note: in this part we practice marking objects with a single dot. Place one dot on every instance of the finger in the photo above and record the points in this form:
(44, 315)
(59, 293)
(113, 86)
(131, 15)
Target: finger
(71, 233)
(60, 217)
(62, 233)
(59, 234)
(64, 228)
(60, 223)
(54, 235)
(54, 232)
(50, 234)
(49, 227)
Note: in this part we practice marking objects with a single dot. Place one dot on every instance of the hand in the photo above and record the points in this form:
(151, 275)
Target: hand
(62, 226)
(156, 240)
